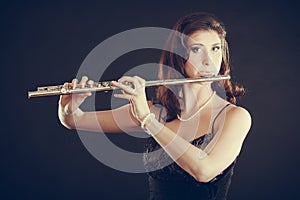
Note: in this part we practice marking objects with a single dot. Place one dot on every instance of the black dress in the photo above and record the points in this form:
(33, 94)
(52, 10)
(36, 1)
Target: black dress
(172, 182)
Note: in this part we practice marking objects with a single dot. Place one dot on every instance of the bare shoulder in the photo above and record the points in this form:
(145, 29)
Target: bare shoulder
(237, 116)
(239, 112)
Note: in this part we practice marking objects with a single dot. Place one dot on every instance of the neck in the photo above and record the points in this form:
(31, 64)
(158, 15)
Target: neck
(195, 95)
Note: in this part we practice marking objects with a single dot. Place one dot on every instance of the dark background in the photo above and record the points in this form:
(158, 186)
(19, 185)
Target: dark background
(44, 43)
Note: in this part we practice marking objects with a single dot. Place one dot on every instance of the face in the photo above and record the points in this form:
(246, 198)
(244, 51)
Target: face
(205, 54)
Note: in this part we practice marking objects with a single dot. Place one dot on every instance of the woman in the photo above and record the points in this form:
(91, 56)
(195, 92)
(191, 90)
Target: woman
(199, 131)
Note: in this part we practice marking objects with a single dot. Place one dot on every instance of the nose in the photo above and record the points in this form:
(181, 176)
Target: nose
(206, 58)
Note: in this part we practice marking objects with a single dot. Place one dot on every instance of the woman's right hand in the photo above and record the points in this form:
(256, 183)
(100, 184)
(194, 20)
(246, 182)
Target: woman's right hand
(69, 104)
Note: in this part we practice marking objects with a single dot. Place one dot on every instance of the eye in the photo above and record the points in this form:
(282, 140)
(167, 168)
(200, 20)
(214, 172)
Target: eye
(196, 49)
(216, 48)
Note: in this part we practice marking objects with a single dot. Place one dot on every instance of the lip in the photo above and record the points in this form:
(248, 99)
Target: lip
(203, 73)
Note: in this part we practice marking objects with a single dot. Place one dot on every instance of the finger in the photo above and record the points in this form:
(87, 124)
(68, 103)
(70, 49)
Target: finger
(66, 85)
(83, 81)
(74, 83)
(90, 83)
(125, 88)
(124, 96)
(62, 98)
(135, 82)
(125, 78)
(141, 81)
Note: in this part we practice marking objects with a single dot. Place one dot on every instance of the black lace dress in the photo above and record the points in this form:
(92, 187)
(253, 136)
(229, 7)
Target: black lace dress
(172, 182)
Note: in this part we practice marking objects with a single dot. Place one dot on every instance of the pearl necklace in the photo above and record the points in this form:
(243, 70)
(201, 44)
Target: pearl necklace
(201, 108)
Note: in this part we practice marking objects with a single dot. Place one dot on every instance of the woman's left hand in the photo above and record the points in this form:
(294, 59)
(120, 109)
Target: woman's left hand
(135, 93)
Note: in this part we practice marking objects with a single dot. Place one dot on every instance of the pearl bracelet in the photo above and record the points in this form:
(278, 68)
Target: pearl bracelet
(150, 125)
(145, 119)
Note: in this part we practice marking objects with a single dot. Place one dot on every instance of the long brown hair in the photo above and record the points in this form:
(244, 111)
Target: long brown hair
(188, 24)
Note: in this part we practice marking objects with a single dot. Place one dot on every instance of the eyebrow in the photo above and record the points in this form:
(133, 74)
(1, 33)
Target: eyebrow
(218, 43)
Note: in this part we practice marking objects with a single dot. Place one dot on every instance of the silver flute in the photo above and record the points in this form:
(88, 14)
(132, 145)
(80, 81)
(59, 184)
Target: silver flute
(107, 86)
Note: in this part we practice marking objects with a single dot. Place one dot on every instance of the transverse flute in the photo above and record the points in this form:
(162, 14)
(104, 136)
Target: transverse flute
(107, 86)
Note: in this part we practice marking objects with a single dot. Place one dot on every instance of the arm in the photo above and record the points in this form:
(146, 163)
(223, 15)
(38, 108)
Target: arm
(187, 156)
(112, 121)
(227, 148)
(108, 121)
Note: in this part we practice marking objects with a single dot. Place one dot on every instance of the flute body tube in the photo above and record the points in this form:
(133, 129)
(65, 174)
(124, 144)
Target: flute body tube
(107, 86)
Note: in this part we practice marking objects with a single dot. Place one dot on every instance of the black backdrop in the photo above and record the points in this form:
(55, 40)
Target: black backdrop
(44, 43)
